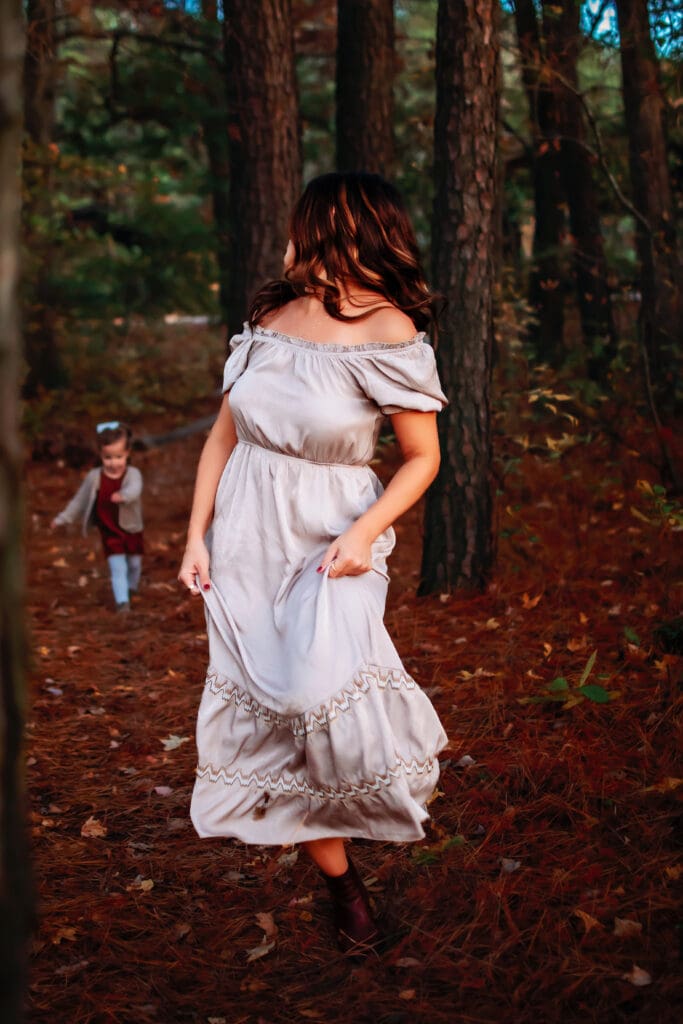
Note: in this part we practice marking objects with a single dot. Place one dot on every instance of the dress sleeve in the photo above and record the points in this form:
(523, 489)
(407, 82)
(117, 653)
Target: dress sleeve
(402, 379)
(240, 346)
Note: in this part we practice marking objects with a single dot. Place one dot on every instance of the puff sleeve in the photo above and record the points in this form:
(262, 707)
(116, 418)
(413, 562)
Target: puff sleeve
(236, 364)
(402, 379)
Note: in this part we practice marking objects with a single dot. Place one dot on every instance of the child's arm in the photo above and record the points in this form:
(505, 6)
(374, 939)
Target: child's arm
(131, 488)
(76, 507)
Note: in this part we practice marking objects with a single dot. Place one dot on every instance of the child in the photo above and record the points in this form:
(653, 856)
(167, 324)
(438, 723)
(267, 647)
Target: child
(110, 497)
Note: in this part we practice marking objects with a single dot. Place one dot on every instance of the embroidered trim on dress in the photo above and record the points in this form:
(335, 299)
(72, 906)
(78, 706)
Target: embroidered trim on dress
(371, 346)
(286, 783)
(317, 718)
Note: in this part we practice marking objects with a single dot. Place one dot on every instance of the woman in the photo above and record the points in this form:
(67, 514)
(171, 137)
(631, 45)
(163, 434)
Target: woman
(310, 730)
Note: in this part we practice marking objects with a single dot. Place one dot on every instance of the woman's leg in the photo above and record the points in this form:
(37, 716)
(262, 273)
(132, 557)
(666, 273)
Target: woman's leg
(329, 855)
(119, 578)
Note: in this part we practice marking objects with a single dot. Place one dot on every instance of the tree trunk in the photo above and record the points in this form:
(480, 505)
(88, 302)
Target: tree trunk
(365, 78)
(264, 143)
(546, 292)
(40, 322)
(14, 883)
(216, 141)
(458, 550)
(562, 35)
(661, 308)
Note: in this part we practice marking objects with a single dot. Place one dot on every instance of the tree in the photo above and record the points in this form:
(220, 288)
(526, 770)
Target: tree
(14, 886)
(458, 548)
(562, 37)
(546, 293)
(264, 143)
(661, 308)
(40, 76)
(365, 77)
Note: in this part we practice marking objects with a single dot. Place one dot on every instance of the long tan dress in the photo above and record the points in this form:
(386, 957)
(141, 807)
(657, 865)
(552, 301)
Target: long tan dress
(309, 725)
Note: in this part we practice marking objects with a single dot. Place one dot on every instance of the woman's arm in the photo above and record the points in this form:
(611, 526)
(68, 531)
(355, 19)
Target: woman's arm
(419, 443)
(215, 454)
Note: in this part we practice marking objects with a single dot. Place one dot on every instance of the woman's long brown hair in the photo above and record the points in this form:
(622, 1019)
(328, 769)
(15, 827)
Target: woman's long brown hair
(351, 228)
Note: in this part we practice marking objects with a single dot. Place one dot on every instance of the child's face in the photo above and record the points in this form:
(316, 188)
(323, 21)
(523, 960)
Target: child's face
(115, 458)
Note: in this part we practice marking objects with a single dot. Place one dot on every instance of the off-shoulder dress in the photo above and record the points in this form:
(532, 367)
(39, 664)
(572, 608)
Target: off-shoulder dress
(309, 726)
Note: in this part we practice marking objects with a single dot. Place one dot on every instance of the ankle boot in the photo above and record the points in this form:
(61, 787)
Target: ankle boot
(356, 927)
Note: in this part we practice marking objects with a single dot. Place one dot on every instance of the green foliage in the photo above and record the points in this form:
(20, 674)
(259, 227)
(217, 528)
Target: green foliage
(560, 691)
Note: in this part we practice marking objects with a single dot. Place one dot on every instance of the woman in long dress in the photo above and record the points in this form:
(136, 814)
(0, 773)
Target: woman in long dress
(310, 730)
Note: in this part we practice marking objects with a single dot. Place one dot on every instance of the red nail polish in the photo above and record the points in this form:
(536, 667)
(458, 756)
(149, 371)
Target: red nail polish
(319, 569)
(207, 586)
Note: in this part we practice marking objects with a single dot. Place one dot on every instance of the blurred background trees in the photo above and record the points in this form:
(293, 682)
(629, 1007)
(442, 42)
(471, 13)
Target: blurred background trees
(166, 139)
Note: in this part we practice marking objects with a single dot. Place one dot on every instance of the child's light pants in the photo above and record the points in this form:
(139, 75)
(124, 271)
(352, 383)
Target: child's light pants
(125, 575)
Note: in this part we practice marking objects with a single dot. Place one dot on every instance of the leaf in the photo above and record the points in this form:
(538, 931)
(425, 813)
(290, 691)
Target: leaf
(172, 742)
(666, 785)
(64, 934)
(626, 929)
(492, 624)
(507, 865)
(530, 602)
(408, 961)
(598, 694)
(637, 976)
(407, 994)
(559, 685)
(589, 922)
(266, 922)
(465, 761)
(288, 858)
(163, 790)
(258, 951)
(589, 668)
(93, 829)
(631, 636)
(577, 644)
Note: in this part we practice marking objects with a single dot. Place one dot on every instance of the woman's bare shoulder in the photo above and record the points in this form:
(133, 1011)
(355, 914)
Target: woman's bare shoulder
(390, 326)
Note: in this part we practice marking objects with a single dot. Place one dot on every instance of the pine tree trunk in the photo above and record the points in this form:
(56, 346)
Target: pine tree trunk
(215, 131)
(546, 291)
(45, 364)
(14, 882)
(365, 78)
(458, 548)
(264, 144)
(562, 35)
(661, 309)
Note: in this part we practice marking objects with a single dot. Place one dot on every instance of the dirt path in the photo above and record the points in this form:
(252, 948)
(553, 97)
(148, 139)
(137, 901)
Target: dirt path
(559, 822)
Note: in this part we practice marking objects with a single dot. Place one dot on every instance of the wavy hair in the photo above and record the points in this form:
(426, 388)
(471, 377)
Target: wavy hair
(351, 228)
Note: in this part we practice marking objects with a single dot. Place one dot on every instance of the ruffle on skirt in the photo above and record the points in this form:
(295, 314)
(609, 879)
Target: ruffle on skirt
(361, 765)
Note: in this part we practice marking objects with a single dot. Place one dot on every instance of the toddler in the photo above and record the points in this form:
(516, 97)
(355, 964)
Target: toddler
(111, 497)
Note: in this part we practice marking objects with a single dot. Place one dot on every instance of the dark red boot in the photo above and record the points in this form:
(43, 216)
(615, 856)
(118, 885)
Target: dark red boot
(357, 931)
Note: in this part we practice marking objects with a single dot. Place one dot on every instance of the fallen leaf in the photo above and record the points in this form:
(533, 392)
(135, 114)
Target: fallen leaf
(589, 922)
(266, 922)
(163, 790)
(674, 873)
(146, 884)
(93, 829)
(407, 994)
(626, 929)
(288, 859)
(577, 643)
(667, 785)
(465, 761)
(637, 976)
(408, 961)
(68, 970)
(530, 602)
(508, 866)
(492, 624)
(172, 742)
(64, 934)
(258, 951)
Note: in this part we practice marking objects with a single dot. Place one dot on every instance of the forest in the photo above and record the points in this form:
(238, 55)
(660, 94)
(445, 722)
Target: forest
(150, 155)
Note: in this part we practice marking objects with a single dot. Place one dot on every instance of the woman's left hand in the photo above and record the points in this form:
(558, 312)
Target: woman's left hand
(348, 555)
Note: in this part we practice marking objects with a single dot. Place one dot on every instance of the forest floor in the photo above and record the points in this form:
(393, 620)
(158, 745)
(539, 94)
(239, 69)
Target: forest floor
(546, 888)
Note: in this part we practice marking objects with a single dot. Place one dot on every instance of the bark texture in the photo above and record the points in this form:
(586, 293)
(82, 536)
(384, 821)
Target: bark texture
(661, 309)
(562, 36)
(14, 885)
(264, 143)
(458, 549)
(40, 78)
(365, 78)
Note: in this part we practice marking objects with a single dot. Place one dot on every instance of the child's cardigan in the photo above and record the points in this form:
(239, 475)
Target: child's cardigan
(82, 505)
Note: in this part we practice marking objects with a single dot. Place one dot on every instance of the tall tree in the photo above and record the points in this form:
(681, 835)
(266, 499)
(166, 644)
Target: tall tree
(40, 75)
(14, 887)
(661, 308)
(546, 292)
(562, 39)
(264, 143)
(458, 548)
(365, 78)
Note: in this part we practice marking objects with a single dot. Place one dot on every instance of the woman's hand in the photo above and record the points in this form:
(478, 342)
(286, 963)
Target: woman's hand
(348, 555)
(195, 564)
